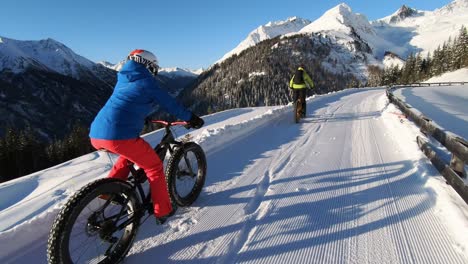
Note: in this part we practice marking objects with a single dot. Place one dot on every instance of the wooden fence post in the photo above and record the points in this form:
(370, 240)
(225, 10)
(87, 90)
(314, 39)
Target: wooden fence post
(458, 166)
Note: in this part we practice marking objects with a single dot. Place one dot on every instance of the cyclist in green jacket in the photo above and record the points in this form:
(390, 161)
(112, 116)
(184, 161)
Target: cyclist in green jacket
(298, 84)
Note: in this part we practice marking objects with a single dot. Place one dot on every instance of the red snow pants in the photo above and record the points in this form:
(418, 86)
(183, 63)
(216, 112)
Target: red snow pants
(142, 154)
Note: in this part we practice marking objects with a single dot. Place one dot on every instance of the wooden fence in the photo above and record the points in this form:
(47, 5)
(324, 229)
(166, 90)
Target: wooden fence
(455, 172)
(429, 84)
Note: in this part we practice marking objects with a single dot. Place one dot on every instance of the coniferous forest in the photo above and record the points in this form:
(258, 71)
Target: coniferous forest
(22, 153)
(259, 75)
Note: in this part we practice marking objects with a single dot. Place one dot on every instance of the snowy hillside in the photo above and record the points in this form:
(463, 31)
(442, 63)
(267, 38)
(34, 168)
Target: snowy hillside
(48, 54)
(49, 78)
(445, 105)
(267, 31)
(401, 33)
(423, 31)
(344, 25)
(460, 75)
(115, 67)
(51, 55)
(391, 60)
(346, 185)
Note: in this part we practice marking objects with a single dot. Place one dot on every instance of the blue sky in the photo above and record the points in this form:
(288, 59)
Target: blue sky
(184, 33)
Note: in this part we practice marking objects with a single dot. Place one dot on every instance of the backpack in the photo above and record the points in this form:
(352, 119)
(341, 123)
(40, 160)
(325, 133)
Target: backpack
(298, 78)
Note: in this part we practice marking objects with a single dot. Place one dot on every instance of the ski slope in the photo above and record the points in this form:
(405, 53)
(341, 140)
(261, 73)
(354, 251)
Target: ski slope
(346, 185)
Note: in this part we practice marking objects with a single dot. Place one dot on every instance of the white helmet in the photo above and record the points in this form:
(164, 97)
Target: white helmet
(146, 58)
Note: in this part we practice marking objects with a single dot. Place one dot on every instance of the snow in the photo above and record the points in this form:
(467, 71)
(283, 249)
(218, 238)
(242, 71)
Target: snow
(391, 61)
(115, 67)
(169, 72)
(341, 23)
(255, 74)
(460, 75)
(267, 31)
(178, 72)
(445, 105)
(47, 54)
(427, 30)
(422, 31)
(347, 184)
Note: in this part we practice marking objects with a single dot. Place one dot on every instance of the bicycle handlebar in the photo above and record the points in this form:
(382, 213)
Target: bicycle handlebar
(169, 124)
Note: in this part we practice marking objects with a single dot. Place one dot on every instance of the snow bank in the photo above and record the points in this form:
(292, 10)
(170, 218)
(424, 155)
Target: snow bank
(217, 138)
(460, 75)
(445, 105)
(449, 206)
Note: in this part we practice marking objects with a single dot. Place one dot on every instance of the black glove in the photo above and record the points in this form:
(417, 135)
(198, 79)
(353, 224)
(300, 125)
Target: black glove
(196, 122)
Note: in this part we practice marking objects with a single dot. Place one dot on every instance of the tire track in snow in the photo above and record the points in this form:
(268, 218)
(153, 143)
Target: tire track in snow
(409, 231)
(405, 253)
(302, 143)
(254, 210)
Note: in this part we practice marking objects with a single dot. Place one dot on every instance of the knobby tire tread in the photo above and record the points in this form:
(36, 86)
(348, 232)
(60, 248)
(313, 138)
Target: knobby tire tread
(171, 173)
(61, 223)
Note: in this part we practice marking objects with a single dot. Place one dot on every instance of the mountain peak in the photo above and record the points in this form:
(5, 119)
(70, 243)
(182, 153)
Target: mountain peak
(403, 13)
(340, 19)
(268, 31)
(17, 55)
(341, 8)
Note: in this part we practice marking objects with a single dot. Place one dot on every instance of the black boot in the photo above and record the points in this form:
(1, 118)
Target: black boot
(161, 220)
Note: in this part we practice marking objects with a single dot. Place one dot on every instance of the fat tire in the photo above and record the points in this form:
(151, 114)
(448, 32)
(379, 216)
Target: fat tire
(297, 112)
(172, 168)
(58, 241)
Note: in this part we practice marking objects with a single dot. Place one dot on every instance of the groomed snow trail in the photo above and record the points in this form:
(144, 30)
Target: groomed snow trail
(346, 185)
(335, 188)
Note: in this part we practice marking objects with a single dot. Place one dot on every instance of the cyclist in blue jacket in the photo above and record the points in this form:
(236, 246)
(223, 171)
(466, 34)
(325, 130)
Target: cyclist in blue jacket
(118, 124)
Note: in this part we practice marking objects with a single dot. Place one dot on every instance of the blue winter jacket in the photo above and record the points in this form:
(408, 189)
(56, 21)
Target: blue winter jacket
(134, 97)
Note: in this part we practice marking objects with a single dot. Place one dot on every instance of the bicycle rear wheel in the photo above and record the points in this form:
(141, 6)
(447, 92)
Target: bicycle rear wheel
(297, 110)
(87, 229)
(186, 173)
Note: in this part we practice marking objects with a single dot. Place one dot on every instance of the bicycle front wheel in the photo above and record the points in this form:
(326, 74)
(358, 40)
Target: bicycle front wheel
(186, 173)
(97, 225)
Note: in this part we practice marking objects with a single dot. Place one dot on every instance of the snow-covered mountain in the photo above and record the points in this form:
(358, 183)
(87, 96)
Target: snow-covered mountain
(422, 31)
(39, 79)
(48, 55)
(267, 31)
(402, 13)
(347, 27)
(368, 42)
(173, 72)
(178, 72)
(174, 80)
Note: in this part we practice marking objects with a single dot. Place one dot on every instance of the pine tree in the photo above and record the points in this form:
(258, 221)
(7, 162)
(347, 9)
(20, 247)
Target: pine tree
(9, 156)
(461, 49)
(436, 62)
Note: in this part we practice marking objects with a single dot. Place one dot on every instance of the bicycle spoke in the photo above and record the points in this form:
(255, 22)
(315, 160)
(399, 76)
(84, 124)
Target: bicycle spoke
(189, 166)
